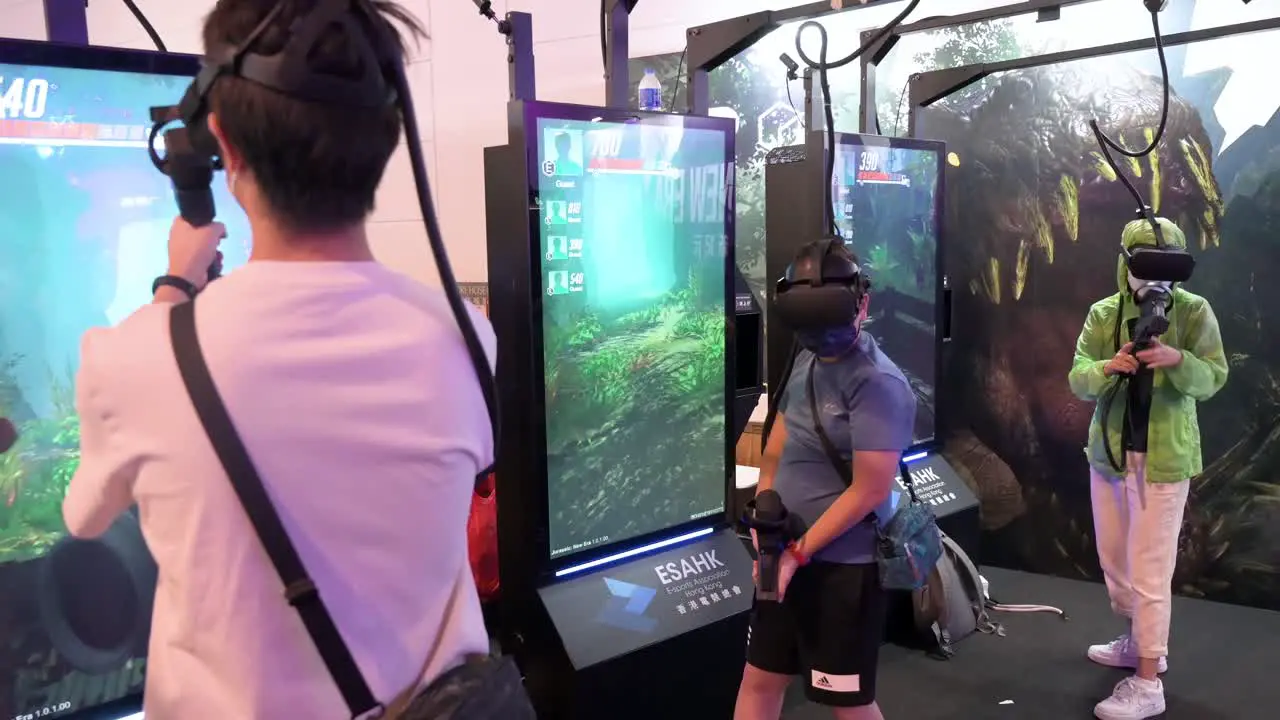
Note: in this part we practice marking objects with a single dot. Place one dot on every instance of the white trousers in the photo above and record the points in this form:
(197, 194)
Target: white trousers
(1137, 525)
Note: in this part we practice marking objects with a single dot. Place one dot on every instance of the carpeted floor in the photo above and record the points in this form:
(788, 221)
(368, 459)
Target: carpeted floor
(1223, 663)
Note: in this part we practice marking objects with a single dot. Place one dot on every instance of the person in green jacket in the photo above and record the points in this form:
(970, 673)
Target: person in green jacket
(1139, 484)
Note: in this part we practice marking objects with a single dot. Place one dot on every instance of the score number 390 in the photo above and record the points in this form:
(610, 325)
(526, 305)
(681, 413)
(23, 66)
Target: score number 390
(21, 98)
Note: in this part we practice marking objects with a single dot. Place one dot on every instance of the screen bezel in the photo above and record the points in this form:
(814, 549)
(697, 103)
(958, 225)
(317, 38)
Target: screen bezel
(34, 54)
(77, 57)
(850, 141)
(534, 111)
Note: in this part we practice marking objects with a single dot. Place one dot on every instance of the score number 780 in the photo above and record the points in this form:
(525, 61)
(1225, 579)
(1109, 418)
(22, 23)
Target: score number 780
(23, 99)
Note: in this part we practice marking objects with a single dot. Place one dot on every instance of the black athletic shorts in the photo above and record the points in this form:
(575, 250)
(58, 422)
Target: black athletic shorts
(827, 630)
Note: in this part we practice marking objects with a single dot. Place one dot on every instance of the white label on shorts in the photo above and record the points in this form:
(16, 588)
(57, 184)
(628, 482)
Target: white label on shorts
(836, 683)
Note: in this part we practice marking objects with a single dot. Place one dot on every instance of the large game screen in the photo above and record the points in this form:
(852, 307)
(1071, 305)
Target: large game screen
(84, 223)
(636, 222)
(887, 199)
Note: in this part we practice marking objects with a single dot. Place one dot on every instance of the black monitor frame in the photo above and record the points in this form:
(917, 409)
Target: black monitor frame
(53, 55)
(82, 57)
(512, 211)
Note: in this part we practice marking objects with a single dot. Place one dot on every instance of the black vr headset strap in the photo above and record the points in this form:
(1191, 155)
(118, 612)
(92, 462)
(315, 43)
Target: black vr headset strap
(288, 72)
(820, 252)
(775, 397)
(300, 590)
(1149, 215)
(842, 466)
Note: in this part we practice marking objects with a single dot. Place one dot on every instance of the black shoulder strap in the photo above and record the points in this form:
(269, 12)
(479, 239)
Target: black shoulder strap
(300, 590)
(842, 466)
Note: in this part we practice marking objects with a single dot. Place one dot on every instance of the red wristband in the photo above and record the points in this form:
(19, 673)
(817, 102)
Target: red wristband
(797, 554)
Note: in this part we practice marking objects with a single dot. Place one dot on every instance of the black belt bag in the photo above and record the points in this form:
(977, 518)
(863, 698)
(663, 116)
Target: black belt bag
(482, 688)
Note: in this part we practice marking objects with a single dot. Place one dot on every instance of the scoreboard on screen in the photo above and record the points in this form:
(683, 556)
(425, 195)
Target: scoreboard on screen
(38, 111)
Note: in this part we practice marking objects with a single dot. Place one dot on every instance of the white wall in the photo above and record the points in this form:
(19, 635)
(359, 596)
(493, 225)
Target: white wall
(459, 79)
(22, 19)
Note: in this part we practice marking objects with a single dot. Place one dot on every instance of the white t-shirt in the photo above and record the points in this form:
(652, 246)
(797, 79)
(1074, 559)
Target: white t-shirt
(352, 389)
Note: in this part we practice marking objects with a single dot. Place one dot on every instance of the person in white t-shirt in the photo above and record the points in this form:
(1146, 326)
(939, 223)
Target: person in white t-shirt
(354, 393)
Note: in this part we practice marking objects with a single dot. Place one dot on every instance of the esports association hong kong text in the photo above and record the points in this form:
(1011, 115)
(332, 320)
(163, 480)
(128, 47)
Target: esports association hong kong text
(689, 567)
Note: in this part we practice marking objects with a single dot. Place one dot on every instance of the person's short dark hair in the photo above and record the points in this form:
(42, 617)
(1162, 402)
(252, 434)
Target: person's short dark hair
(318, 166)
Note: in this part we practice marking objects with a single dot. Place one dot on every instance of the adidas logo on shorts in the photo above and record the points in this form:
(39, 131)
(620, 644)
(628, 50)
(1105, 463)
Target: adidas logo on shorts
(836, 683)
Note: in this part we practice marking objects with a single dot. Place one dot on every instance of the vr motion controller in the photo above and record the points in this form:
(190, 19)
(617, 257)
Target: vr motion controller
(775, 528)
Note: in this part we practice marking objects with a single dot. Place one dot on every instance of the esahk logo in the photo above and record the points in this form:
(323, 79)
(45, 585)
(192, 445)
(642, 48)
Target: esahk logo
(626, 605)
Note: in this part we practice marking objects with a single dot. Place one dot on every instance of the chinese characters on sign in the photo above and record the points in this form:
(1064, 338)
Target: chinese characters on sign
(708, 600)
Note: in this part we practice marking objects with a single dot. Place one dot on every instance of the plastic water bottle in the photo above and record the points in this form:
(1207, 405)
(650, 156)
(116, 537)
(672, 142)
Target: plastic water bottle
(650, 91)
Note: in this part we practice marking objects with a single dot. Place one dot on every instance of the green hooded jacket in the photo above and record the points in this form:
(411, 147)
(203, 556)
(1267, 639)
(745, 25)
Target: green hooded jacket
(1173, 440)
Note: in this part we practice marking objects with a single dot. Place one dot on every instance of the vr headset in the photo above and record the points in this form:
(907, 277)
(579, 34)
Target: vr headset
(823, 288)
(192, 153)
(1161, 263)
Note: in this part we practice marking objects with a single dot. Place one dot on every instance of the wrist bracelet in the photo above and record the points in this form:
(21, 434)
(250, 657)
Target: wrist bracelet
(796, 553)
(187, 287)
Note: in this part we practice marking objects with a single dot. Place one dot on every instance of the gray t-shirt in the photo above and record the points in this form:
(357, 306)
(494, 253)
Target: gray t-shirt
(866, 404)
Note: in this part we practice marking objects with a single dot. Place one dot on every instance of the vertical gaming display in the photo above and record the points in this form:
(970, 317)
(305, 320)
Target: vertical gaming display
(887, 199)
(635, 220)
(84, 225)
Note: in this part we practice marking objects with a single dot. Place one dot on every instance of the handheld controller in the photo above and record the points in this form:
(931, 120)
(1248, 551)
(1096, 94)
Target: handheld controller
(775, 528)
(189, 171)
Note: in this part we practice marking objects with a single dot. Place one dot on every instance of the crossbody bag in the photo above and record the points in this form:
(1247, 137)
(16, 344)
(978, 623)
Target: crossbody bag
(909, 546)
(482, 688)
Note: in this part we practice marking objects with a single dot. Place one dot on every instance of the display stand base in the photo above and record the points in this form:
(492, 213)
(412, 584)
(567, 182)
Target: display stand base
(953, 503)
(663, 636)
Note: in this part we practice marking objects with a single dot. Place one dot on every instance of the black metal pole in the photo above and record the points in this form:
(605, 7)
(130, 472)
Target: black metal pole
(521, 75)
(816, 149)
(617, 74)
(66, 21)
(867, 119)
(698, 92)
(812, 118)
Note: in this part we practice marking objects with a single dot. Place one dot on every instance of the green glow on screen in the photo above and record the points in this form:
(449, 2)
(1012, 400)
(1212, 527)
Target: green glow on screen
(633, 239)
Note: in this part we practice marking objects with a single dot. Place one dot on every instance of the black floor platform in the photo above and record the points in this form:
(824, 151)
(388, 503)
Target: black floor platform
(1224, 663)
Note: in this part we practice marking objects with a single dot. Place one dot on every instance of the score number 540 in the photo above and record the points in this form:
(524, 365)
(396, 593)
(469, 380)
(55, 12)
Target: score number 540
(21, 98)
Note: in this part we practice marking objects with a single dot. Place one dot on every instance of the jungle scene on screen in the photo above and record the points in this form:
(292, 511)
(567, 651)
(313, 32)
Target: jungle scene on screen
(634, 304)
(84, 225)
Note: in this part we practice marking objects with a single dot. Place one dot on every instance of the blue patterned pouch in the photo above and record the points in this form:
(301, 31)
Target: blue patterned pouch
(910, 545)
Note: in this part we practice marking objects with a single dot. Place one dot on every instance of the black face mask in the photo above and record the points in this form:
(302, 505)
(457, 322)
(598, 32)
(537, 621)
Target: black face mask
(829, 343)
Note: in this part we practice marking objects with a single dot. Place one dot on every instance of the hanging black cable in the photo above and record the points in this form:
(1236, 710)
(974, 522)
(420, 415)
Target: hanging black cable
(822, 66)
(146, 25)
(1107, 145)
(675, 87)
(604, 34)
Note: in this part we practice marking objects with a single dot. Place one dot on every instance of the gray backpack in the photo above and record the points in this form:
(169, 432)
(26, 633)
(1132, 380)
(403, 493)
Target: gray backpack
(954, 603)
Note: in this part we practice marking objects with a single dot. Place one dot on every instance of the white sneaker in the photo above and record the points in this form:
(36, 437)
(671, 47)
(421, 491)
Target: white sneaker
(1120, 653)
(1133, 699)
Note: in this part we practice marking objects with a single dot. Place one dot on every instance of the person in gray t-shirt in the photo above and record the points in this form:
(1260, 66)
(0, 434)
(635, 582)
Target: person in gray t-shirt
(829, 624)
